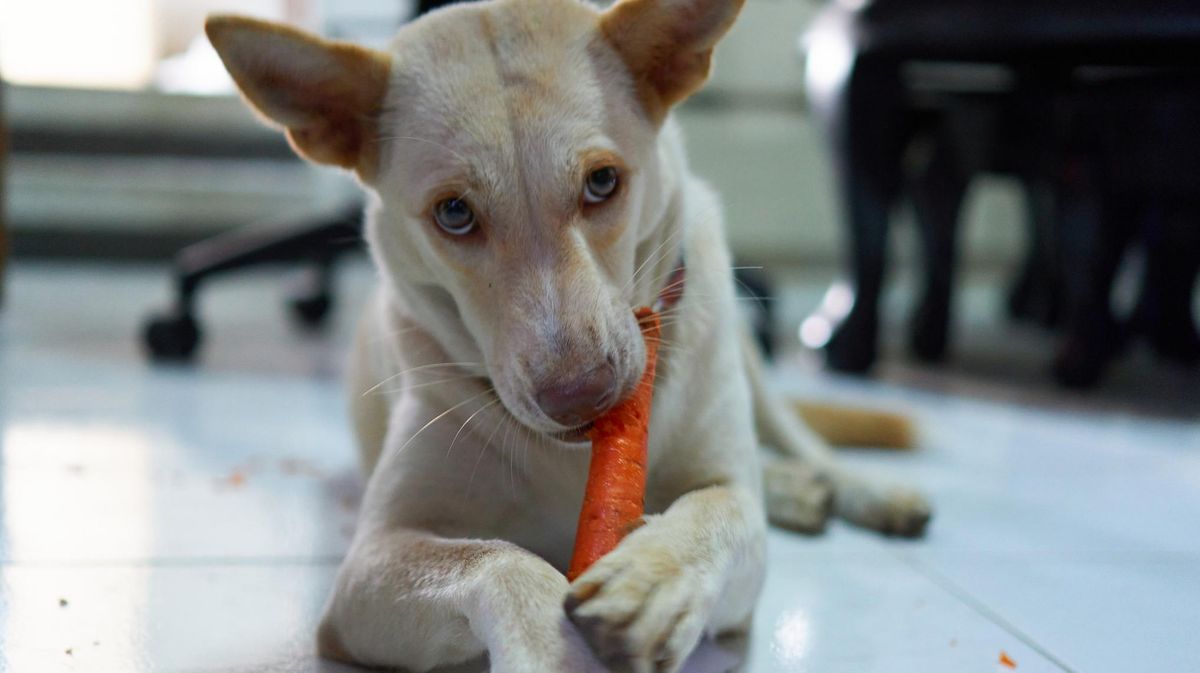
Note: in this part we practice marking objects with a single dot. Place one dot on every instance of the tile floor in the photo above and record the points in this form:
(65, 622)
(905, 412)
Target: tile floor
(176, 519)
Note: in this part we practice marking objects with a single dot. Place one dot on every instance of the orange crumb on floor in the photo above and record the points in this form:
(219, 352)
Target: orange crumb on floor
(1007, 661)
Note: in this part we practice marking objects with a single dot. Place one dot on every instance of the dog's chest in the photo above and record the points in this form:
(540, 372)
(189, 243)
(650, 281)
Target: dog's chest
(531, 499)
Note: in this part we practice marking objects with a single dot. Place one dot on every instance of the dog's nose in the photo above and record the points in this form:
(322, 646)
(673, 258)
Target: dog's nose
(573, 403)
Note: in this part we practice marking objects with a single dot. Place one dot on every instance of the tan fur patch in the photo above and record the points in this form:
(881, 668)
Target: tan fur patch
(326, 94)
(667, 49)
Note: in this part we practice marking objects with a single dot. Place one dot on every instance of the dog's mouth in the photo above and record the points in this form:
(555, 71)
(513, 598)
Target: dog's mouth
(577, 435)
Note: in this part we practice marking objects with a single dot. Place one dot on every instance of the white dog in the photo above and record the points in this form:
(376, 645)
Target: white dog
(526, 189)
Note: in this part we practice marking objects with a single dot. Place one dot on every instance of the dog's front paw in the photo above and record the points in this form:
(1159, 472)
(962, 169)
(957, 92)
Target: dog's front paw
(641, 609)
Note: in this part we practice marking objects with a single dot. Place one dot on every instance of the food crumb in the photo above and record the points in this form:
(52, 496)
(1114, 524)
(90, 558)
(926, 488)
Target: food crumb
(62, 603)
(1007, 661)
(70, 651)
(235, 479)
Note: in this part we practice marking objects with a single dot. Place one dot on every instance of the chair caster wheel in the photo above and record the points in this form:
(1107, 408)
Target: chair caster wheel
(171, 338)
(311, 312)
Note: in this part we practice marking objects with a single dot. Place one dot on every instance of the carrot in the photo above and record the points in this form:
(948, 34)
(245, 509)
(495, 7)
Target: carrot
(614, 499)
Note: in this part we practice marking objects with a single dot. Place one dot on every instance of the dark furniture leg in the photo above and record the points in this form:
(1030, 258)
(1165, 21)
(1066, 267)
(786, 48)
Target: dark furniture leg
(1035, 296)
(937, 189)
(853, 344)
(1164, 310)
(1094, 228)
(174, 335)
(3, 205)
(865, 120)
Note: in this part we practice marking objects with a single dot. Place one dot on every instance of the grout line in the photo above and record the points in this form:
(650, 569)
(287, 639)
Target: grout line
(954, 589)
(184, 562)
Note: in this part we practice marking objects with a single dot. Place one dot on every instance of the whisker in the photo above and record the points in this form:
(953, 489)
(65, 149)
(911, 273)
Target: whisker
(671, 312)
(482, 451)
(750, 292)
(464, 425)
(440, 416)
(655, 256)
(504, 455)
(375, 387)
(392, 391)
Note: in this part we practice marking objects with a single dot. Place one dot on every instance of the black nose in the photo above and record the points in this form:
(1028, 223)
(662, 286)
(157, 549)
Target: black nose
(573, 403)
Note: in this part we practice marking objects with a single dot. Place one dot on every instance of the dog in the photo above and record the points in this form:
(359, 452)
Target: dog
(526, 188)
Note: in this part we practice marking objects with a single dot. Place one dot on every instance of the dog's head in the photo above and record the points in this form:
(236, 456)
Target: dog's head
(511, 151)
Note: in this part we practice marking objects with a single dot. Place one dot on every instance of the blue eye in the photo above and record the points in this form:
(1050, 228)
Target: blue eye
(455, 217)
(600, 185)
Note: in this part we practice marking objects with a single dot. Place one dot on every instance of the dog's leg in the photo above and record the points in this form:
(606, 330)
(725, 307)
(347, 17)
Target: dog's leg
(888, 509)
(413, 600)
(369, 408)
(694, 569)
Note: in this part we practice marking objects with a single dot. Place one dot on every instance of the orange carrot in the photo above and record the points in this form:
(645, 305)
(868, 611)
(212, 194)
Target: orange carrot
(614, 499)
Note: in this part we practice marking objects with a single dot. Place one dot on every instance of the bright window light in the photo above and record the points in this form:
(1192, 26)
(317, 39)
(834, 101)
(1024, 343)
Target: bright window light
(78, 43)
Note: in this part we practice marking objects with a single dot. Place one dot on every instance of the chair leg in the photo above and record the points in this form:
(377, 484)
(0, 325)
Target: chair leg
(868, 127)
(1165, 306)
(851, 309)
(3, 208)
(937, 191)
(174, 335)
(1036, 294)
(311, 295)
(1094, 228)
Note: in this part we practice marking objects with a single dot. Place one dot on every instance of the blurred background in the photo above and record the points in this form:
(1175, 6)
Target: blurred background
(126, 143)
(983, 215)
(122, 124)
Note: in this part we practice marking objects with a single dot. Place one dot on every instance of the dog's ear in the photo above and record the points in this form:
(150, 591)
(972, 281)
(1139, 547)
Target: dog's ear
(667, 45)
(326, 94)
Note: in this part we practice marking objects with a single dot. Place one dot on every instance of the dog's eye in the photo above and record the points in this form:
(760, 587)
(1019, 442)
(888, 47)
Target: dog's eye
(601, 184)
(454, 216)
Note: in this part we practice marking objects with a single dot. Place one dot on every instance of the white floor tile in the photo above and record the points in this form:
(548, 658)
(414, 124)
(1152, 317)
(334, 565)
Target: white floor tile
(829, 611)
(1097, 615)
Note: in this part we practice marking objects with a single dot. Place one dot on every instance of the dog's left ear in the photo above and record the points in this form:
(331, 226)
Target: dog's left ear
(325, 94)
(667, 45)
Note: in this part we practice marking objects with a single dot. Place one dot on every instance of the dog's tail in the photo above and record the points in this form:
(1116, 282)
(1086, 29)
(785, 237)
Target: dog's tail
(852, 426)
(839, 425)
(803, 491)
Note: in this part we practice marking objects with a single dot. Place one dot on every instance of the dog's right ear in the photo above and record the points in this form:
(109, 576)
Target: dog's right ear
(325, 94)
